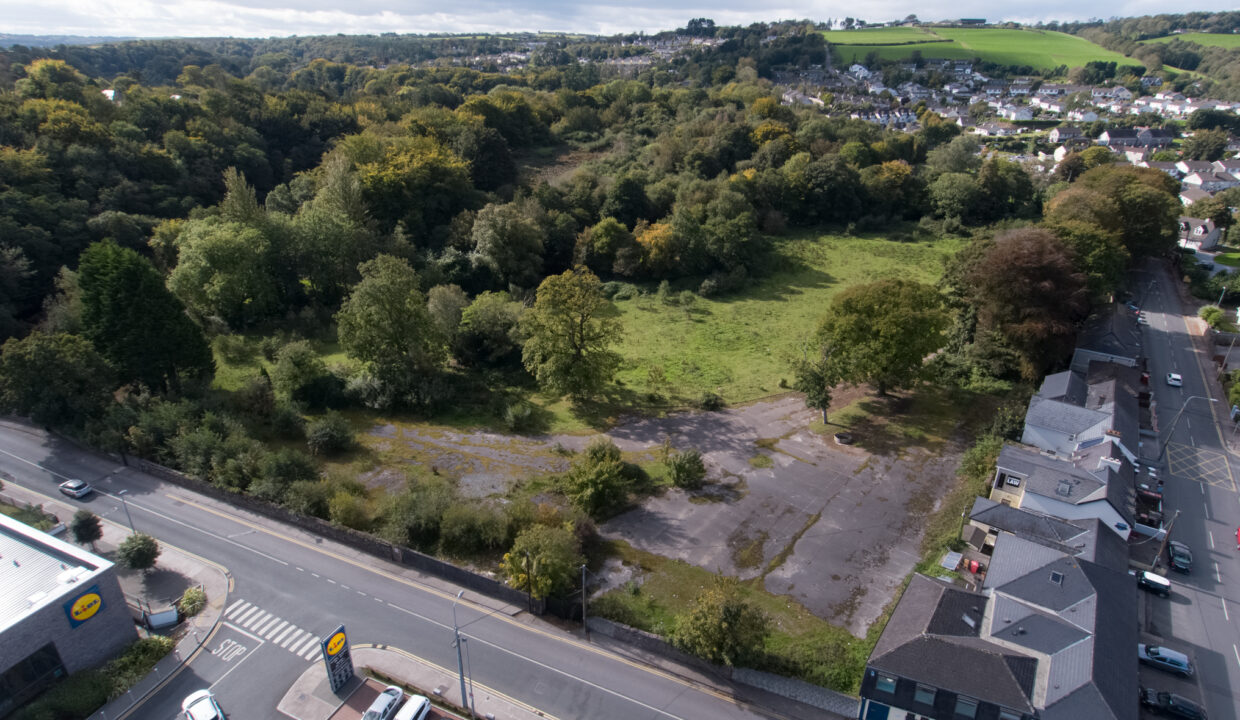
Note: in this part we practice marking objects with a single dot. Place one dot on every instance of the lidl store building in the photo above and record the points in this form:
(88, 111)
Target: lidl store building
(61, 610)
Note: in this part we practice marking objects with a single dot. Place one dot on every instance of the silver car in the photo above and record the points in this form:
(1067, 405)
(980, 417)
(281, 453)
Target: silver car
(384, 706)
(1164, 659)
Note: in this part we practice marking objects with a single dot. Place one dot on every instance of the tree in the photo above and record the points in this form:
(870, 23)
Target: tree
(599, 482)
(815, 379)
(1026, 288)
(302, 376)
(385, 324)
(568, 350)
(329, 435)
(953, 195)
(686, 469)
(138, 552)
(489, 332)
(136, 323)
(721, 626)
(445, 303)
(881, 332)
(86, 528)
(509, 243)
(56, 380)
(1147, 206)
(224, 270)
(1209, 145)
(543, 561)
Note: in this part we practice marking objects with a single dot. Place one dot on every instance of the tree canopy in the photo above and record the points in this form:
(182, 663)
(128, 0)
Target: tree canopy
(570, 334)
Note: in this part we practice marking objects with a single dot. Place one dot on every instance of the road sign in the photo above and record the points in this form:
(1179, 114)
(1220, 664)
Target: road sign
(337, 658)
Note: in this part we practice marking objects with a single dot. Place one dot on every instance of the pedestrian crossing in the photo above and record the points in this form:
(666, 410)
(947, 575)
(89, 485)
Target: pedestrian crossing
(271, 628)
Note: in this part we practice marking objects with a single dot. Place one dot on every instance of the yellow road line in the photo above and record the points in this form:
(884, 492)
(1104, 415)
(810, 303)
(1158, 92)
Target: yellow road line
(486, 611)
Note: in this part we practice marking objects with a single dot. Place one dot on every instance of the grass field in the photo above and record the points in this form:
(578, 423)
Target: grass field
(1208, 39)
(1035, 48)
(740, 346)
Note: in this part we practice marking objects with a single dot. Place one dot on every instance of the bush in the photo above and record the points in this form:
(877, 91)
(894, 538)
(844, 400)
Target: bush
(686, 469)
(413, 517)
(1213, 315)
(722, 627)
(708, 288)
(309, 497)
(286, 423)
(349, 510)
(81, 694)
(138, 552)
(235, 349)
(280, 470)
(193, 600)
(470, 529)
(329, 435)
(543, 561)
(519, 416)
(711, 401)
(86, 527)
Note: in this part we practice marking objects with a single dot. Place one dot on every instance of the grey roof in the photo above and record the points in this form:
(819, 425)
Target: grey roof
(1043, 529)
(1107, 549)
(1111, 329)
(1195, 194)
(1115, 634)
(1062, 416)
(1066, 385)
(1014, 557)
(1042, 633)
(38, 570)
(1063, 480)
(1085, 702)
(1056, 586)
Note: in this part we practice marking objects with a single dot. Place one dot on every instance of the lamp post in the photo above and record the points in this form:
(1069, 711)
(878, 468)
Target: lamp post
(125, 505)
(1220, 297)
(460, 665)
(1163, 447)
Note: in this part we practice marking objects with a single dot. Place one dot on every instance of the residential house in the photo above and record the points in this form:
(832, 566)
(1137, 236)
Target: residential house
(1211, 181)
(1136, 155)
(1167, 167)
(1049, 636)
(1073, 408)
(1198, 234)
(1064, 133)
(1015, 113)
(1020, 88)
(1190, 195)
(996, 130)
(1195, 166)
(1082, 115)
(1155, 137)
(1086, 539)
(1231, 166)
(1118, 137)
(1150, 81)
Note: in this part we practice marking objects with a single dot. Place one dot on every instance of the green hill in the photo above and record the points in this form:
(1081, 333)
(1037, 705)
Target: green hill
(1225, 40)
(1039, 49)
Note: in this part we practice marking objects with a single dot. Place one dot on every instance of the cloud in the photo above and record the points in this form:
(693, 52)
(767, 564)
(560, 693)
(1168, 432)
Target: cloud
(266, 18)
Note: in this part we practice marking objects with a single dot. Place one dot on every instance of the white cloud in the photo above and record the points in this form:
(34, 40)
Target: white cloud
(264, 18)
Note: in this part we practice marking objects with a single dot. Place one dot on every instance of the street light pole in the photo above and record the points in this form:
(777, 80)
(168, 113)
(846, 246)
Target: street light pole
(1163, 448)
(125, 505)
(460, 664)
(1220, 297)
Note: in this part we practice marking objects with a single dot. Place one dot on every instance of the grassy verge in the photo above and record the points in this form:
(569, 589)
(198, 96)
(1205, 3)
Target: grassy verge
(81, 694)
(32, 515)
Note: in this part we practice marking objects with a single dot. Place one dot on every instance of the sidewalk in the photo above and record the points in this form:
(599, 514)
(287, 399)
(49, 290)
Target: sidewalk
(175, 571)
(310, 697)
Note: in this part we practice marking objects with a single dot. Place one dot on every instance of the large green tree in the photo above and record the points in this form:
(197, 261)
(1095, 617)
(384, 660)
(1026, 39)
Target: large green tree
(224, 270)
(543, 561)
(570, 335)
(385, 324)
(721, 626)
(136, 323)
(56, 380)
(881, 332)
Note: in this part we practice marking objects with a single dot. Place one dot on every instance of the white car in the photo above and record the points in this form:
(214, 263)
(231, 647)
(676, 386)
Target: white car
(75, 488)
(1174, 380)
(416, 707)
(384, 706)
(201, 705)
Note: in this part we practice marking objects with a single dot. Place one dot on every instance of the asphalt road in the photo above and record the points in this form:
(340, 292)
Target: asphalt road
(1199, 469)
(292, 587)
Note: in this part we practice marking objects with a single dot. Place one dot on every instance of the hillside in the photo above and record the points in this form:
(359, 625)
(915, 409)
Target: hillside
(1223, 40)
(1038, 49)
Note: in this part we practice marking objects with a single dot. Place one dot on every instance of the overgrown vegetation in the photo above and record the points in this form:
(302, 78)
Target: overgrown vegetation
(81, 694)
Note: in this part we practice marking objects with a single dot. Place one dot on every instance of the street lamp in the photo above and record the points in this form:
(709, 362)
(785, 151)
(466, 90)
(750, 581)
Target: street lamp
(125, 505)
(460, 665)
(1163, 448)
(1220, 297)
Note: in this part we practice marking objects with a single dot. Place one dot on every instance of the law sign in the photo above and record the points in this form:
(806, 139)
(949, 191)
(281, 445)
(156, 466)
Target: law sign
(337, 658)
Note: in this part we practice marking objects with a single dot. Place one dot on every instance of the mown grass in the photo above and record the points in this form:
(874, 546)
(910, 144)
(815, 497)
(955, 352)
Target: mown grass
(880, 36)
(1231, 259)
(1207, 39)
(1039, 49)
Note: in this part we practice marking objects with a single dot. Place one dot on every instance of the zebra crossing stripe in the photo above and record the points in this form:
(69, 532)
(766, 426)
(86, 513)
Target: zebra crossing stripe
(275, 629)
(235, 605)
(264, 627)
(294, 639)
(314, 650)
(307, 647)
(256, 620)
(242, 617)
(279, 639)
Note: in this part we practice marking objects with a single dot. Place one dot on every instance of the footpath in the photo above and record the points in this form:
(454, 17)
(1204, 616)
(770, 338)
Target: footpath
(174, 572)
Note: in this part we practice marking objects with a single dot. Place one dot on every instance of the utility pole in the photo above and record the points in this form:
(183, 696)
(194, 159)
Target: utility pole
(460, 664)
(1167, 536)
(1163, 447)
(584, 627)
(128, 517)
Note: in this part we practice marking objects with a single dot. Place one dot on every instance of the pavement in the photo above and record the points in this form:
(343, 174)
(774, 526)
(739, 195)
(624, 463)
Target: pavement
(311, 698)
(176, 570)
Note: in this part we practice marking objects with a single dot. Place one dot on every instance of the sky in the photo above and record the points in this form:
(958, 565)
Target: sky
(281, 18)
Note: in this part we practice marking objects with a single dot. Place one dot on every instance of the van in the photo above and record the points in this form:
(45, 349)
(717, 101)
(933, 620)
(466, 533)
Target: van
(416, 707)
(1156, 584)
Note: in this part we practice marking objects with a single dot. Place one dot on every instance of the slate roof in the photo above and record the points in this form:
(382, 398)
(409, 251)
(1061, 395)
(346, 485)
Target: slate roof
(1061, 416)
(1195, 194)
(1065, 385)
(1112, 329)
(1050, 476)
(1056, 586)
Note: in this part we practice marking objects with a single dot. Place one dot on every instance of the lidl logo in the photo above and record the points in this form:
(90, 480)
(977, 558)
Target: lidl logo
(84, 606)
(336, 644)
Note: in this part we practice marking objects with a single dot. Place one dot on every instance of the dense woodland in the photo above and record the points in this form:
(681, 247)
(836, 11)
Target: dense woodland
(461, 233)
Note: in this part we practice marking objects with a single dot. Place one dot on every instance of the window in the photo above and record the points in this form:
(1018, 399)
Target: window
(1008, 715)
(966, 707)
(924, 694)
(885, 683)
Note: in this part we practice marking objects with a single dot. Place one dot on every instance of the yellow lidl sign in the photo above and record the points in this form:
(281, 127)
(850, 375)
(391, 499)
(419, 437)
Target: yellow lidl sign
(84, 606)
(336, 643)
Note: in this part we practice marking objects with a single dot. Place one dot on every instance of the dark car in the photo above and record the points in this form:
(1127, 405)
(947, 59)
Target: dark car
(1181, 556)
(1165, 703)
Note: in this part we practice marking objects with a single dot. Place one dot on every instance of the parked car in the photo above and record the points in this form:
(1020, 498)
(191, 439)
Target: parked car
(76, 488)
(1165, 703)
(384, 706)
(416, 707)
(1174, 380)
(1181, 556)
(1164, 659)
(1156, 584)
(201, 705)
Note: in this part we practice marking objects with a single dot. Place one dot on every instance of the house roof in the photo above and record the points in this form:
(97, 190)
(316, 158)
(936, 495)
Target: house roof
(39, 570)
(1120, 133)
(1065, 385)
(1055, 586)
(1044, 529)
(1194, 194)
(1042, 633)
(1113, 330)
(1083, 478)
(1062, 416)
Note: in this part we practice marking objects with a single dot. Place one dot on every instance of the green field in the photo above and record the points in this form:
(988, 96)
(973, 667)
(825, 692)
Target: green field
(740, 345)
(1208, 39)
(1035, 48)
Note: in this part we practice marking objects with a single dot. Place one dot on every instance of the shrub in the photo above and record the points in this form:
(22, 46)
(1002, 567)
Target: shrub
(686, 469)
(193, 600)
(711, 401)
(302, 376)
(469, 529)
(413, 517)
(309, 497)
(81, 694)
(543, 561)
(329, 435)
(235, 349)
(721, 626)
(138, 552)
(286, 423)
(708, 288)
(349, 510)
(519, 416)
(1213, 315)
(280, 470)
(269, 347)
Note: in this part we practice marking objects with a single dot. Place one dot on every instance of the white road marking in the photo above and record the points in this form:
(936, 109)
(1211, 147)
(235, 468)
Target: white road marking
(1217, 578)
(333, 582)
(279, 638)
(300, 569)
(1226, 617)
(1189, 423)
(243, 632)
(1211, 536)
(294, 640)
(235, 604)
(346, 587)
(241, 618)
(275, 629)
(315, 574)
(263, 630)
(1207, 510)
(307, 644)
(312, 650)
(253, 622)
(1237, 652)
(359, 592)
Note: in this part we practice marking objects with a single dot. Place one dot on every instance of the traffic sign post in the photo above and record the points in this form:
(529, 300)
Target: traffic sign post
(337, 658)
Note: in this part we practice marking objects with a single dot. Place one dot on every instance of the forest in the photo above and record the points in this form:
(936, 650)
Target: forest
(392, 233)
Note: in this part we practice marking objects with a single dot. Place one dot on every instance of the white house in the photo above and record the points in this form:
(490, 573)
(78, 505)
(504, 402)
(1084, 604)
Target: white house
(1198, 234)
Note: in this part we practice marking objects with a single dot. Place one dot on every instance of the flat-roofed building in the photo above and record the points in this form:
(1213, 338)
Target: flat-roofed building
(61, 611)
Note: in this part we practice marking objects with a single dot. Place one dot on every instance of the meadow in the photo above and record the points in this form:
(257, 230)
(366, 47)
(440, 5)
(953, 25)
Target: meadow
(1036, 48)
(1208, 39)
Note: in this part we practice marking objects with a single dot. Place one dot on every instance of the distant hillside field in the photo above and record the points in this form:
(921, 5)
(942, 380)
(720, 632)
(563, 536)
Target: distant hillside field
(1216, 39)
(1036, 48)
